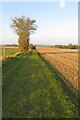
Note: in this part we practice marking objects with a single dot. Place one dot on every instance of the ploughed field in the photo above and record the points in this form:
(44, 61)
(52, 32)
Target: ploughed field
(64, 60)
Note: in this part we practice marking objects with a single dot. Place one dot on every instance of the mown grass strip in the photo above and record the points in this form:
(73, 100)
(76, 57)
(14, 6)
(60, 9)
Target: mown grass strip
(31, 90)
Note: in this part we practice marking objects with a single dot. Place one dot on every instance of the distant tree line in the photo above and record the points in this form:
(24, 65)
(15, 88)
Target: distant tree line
(13, 45)
(70, 46)
(30, 47)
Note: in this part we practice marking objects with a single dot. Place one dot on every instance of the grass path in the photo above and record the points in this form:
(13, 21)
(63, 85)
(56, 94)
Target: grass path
(31, 90)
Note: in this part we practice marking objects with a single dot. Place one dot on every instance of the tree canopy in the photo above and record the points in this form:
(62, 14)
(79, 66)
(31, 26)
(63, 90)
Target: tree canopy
(23, 27)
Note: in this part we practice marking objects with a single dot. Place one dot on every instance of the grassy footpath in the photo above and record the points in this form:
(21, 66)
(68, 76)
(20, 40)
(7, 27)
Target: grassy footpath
(31, 90)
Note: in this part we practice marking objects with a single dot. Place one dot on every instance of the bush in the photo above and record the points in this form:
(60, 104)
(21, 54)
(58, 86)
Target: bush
(31, 46)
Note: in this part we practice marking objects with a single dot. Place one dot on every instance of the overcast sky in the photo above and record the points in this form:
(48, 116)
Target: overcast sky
(57, 21)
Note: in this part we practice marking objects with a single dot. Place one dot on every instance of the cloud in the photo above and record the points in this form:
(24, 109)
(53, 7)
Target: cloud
(62, 3)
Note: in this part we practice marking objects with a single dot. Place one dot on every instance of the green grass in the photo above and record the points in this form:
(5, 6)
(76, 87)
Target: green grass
(32, 90)
(0, 51)
(10, 51)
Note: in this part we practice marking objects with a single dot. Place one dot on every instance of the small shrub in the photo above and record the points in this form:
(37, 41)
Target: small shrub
(31, 46)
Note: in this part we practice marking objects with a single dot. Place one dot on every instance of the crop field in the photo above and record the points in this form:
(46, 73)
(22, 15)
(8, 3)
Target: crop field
(65, 61)
(8, 51)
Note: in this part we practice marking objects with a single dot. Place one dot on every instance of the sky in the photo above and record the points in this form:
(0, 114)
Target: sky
(57, 22)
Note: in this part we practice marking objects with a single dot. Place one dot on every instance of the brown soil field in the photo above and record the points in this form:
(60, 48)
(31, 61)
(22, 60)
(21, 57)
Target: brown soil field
(8, 47)
(64, 60)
